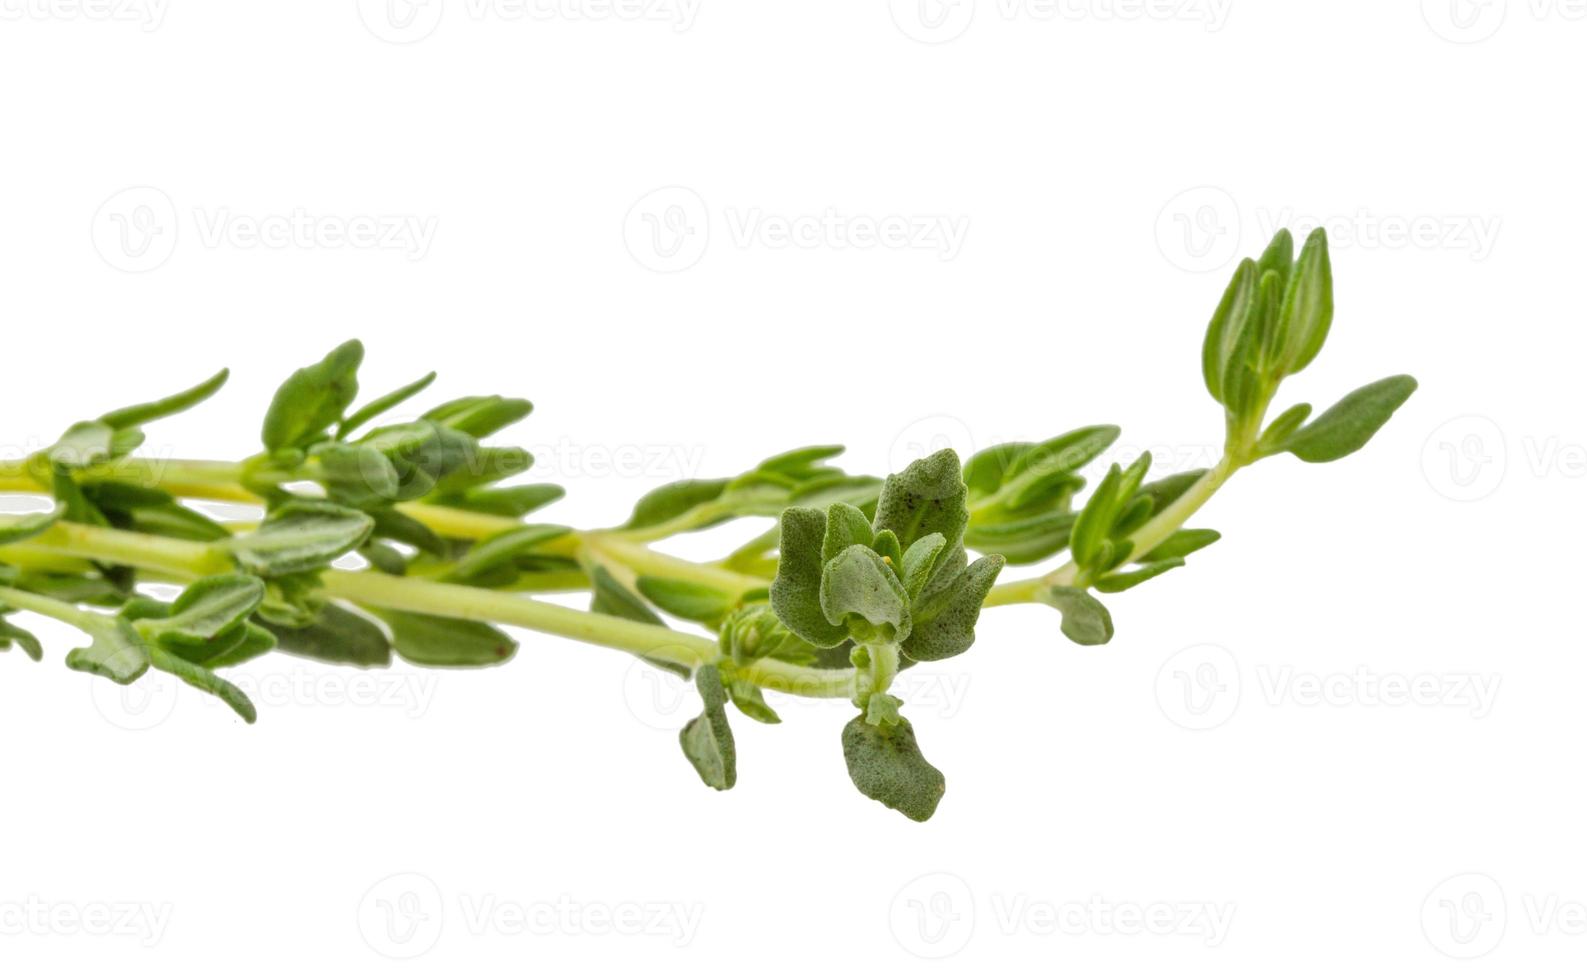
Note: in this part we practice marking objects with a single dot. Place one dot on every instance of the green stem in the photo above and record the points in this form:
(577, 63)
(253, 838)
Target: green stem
(185, 560)
(640, 559)
(44, 606)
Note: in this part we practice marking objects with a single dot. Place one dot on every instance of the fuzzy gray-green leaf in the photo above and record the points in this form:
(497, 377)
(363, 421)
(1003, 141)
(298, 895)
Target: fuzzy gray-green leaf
(707, 741)
(886, 765)
(796, 591)
(1085, 620)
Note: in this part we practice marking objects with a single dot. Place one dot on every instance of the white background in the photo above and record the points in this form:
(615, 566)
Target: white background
(1104, 164)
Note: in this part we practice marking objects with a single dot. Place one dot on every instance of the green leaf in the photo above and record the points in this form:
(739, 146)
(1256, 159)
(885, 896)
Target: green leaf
(78, 509)
(1096, 518)
(254, 641)
(886, 544)
(945, 627)
(796, 591)
(313, 399)
(1280, 255)
(11, 633)
(338, 636)
(115, 649)
(505, 501)
(172, 520)
(1280, 429)
(881, 711)
(1352, 422)
(673, 500)
(205, 680)
(437, 641)
(1227, 326)
(424, 454)
(1170, 488)
(801, 463)
(1308, 305)
(300, 536)
(611, 598)
(886, 765)
(480, 415)
(20, 527)
(1023, 540)
(211, 612)
(686, 600)
(846, 525)
(1120, 581)
(861, 591)
(753, 632)
(1063, 454)
(749, 700)
(486, 465)
(918, 562)
(357, 474)
(292, 600)
(1180, 544)
(984, 471)
(927, 497)
(394, 525)
(707, 740)
(382, 405)
(503, 548)
(1085, 620)
(83, 445)
(136, 415)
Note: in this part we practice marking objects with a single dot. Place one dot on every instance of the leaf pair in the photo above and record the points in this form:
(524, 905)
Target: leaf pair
(1020, 493)
(105, 440)
(207, 626)
(1341, 430)
(308, 434)
(1271, 322)
(900, 579)
(801, 476)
